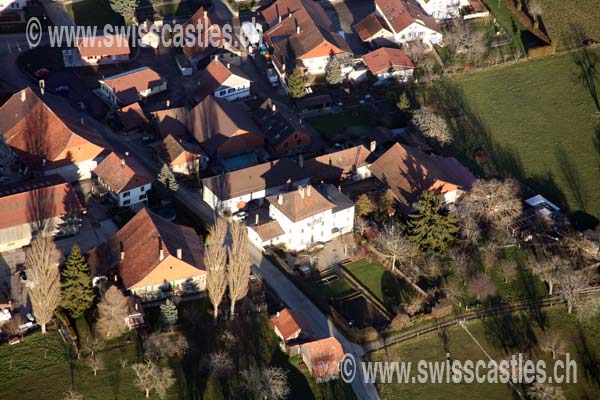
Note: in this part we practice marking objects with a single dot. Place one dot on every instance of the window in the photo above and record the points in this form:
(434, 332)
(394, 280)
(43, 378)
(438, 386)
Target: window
(126, 194)
(231, 90)
(143, 196)
(126, 202)
(143, 189)
(222, 92)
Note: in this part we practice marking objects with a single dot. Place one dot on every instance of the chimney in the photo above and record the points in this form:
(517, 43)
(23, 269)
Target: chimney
(280, 199)
(135, 306)
(256, 219)
(308, 188)
(23, 95)
(280, 18)
(44, 161)
(372, 146)
(122, 162)
(273, 107)
(168, 103)
(228, 65)
(301, 161)
(205, 14)
(161, 253)
(122, 246)
(82, 121)
(298, 30)
(283, 67)
(301, 191)
(277, 315)
(179, 253)
(126, 154)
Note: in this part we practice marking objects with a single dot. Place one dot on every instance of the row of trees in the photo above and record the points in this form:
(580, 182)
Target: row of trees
(227, 264)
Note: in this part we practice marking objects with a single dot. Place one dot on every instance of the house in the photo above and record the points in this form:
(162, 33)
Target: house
(373, 30)
(48, 141)
(48, 204)
(172, 121)
(98, 50)
(208, 38)
(135, 313)
(307, 216)
(388, 63)
(443, 9)
(131, 86)
(151, 257)
(345, 165)
(181, 154)
(302, 35)
(408, 172)
(408, 22)
(282, 137)
(323, 358)
(224, 81)
(234, 190)
(291, 329)
(124, 179)
(8, 6)
(223, 128)
(132, 118)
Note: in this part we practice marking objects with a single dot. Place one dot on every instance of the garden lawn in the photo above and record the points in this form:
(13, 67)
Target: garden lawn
(538, 123)
(335, 289)
(333, 126)
(370, 274)
(491, 333)
(93, 13)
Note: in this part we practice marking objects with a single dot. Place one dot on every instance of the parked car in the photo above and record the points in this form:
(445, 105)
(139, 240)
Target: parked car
(148, 139)
(41, 73)
(64, 89)
(240, 216)
(272, 76)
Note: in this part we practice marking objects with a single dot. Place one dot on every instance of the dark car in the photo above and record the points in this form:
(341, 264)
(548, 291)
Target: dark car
(64, 89)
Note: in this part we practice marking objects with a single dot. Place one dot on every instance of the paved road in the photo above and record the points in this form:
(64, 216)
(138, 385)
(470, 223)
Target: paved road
(57, 13)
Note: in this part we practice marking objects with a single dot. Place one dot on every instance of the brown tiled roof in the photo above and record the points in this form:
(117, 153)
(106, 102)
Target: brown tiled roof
(132, 117)
(35, 200)
(325, 355)
(402, 13)
(385, 58)
(122, 173)
(336, 165)
(206, 22)
(222, 127)
(408, 172)
(37, 132)
(172, 148)
(109, 45)
(215, 74)
(369, 26)
(315, 29)
(302, 203)
(253, 179)
(286, 324)
(269, 230)
(127, 85)
(171, 122)
(141, 239)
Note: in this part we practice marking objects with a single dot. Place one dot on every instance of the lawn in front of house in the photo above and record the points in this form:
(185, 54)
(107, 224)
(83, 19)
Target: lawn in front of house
(93, 13)
(334, 127)
(333, 286)
(535, 121)
(517, 333)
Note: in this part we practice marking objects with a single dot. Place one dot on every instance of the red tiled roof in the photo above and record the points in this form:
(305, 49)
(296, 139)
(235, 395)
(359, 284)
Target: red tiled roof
(384, 58)
(370, 26)
(269, 230)
(403, 13)
(171, 121)
(171, 148)
(35, 200)
(215, 74)
(301, 203)
(127, 85)
(109, 45)
(286, 324)
(409, 172)
(325, 356)
(37, 132)
(140, 239)
(336, 165)
(132, 117)
(203, 28)
(122, 173)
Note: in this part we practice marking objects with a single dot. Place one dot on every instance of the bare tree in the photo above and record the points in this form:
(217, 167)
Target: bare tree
(462, 263)
(150, 376)
(552, 343)
(507, 270)
(432, 125)
(92, 345)
(361, 224)
(489, 256)
(157, 345)
(112, 312)
(588, 310)
(228, 339)
(73, 395)
(267, 383)
(238, 273)
(549, 270)
(498, 201)
(481, 287)
(463, 38)
(220, 364)
(571, 282)
(396, 246)
(544, 391)
(215, 259)
(43, 279)
(468, 221)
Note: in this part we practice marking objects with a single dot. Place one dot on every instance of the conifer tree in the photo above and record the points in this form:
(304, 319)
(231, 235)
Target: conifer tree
(333, 71)
(432, 226)
(76, 287)
(167, 179)
(296, 84)
(403, 103)
(168, 313)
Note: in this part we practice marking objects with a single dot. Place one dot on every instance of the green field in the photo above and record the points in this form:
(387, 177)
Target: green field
(561, 18)
(533, 120)
(515, 333)
(371, 274)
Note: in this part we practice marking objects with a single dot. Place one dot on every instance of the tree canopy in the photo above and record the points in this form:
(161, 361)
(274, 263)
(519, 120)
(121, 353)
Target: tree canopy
(433, 227)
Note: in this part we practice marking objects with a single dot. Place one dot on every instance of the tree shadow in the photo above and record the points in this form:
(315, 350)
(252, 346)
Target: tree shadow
(588, 71)
(588, 356)
(532, 296)
(510, 332)
(395, 291)
(571, 176)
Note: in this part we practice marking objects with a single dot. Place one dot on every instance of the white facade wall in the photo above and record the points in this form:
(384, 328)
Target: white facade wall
(443, 9)
(19, 236)
(417, 31)
(133, 196)
(401, 75)
(12, 5)
(75, 172)
(316, 65)
(198, 282)
(233, 88)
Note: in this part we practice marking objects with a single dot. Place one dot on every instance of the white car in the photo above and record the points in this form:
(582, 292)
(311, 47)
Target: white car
(240, 216)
